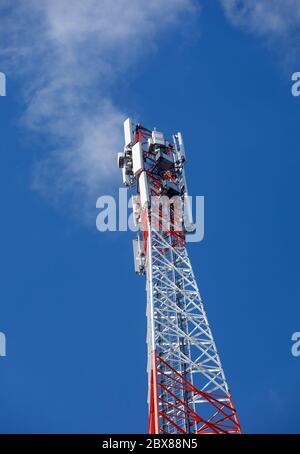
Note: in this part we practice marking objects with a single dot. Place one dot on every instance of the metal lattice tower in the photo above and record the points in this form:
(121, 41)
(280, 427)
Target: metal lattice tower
(188, 391)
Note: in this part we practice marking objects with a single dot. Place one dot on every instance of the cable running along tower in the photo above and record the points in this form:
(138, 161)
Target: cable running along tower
(187, 388)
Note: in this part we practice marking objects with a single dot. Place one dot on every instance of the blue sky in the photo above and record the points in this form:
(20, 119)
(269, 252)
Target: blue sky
(71, 307)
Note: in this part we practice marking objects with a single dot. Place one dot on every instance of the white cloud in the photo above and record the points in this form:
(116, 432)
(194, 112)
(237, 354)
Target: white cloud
(266, 17)
(68, 54)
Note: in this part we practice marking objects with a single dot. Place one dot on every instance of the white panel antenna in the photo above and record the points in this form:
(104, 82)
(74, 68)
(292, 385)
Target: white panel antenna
(137, 159)
(128, 132)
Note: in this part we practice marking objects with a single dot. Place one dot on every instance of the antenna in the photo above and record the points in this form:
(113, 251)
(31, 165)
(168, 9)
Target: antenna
(187, 389)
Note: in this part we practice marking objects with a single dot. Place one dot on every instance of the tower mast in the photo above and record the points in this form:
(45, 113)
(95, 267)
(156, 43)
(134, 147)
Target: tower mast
(187, 389)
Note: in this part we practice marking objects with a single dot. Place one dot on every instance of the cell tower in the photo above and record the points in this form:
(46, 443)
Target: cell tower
(188, 392)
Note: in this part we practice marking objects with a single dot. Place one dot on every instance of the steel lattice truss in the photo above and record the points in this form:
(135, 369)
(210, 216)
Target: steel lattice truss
(192, 392)
(188, 392)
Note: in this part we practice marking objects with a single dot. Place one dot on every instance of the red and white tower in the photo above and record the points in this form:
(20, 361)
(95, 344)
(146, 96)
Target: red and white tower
(188, 392)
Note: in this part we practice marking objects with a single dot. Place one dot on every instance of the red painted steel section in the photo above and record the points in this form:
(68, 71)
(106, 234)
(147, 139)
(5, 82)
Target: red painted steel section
(223, 420)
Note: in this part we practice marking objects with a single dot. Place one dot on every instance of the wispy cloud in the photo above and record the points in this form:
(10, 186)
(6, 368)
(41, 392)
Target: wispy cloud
(68, 55)
(276, 17)
(275, 22)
